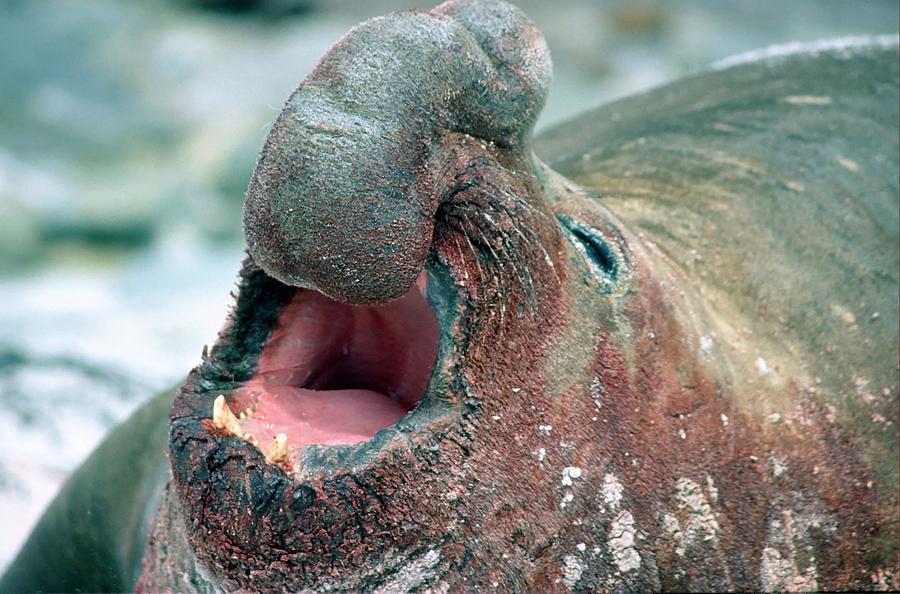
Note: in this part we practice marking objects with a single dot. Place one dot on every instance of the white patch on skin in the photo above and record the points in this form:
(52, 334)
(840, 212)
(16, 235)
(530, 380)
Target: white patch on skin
(415, 573)
(706, 343)
(581, 547)
(540, 454)
(572, 569)
(570, 473)
(695, 518)
(566, 500)
(612, 492)
(779, 466)
(724, 418)
(596, 390)
(545, 429)
(842, 47)
(779, 574)
(776, 573)
(762, 368)
(712, 490)
(779, 567)
(774, 418)
(682, 434)
(701, 519)
(621, 543)
(673, 528)
(807, 100)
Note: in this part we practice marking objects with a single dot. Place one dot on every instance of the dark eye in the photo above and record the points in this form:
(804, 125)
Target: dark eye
(595, 248)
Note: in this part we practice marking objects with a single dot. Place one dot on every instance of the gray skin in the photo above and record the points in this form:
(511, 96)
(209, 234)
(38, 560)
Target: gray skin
(366, 130)
(766, 192)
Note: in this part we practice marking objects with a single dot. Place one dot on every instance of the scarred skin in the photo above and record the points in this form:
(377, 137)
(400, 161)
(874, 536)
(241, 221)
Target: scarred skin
(675, 383)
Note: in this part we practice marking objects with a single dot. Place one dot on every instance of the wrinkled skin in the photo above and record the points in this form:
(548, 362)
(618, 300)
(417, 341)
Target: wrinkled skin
(678, 383)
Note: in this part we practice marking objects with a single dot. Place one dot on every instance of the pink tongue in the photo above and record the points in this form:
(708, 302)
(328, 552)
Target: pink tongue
(325, 417)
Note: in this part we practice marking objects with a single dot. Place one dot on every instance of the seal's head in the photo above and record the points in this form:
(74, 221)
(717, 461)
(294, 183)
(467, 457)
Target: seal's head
(445, 362)
(404, 277)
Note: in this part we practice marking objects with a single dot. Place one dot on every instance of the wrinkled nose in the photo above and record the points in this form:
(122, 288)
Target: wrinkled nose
(344, 195)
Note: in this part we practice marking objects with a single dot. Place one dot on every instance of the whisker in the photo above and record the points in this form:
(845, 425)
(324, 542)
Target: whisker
(494, 223)
(536, 241)
(499, 277)
(518, 200)
(514, 262)
(524, 204)
(461, 258)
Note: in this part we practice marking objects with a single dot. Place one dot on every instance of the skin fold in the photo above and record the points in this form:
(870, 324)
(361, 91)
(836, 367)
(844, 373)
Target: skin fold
(668, 348)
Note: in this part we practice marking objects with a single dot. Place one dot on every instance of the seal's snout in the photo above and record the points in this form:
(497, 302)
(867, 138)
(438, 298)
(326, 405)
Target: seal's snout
(345, 192)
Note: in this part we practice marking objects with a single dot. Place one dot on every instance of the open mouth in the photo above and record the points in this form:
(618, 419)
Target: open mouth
(333, 374)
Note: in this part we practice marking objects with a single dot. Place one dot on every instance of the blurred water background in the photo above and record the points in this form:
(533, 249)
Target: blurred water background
(128, 132)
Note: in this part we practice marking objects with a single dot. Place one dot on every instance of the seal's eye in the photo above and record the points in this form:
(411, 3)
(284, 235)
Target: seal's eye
(592, 245)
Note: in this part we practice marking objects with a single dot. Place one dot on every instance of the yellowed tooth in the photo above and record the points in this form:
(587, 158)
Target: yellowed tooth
(278, 451)
(223, 418)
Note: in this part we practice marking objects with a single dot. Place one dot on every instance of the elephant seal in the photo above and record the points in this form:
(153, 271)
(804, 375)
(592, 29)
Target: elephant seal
(450, 368)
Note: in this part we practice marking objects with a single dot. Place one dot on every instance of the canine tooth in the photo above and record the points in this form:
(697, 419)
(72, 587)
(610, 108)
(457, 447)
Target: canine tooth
(279, 451)
(223, 418)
